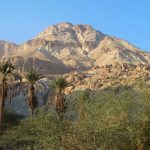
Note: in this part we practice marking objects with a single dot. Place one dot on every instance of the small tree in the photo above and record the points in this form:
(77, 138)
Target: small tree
(60, 84)
(32, 78)
(6, 73)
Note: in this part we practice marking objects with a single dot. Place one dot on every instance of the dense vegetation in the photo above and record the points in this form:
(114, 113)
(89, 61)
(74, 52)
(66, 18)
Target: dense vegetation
(111, 119)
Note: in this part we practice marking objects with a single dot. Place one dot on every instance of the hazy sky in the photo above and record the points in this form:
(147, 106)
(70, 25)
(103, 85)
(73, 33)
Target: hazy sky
(21, 20)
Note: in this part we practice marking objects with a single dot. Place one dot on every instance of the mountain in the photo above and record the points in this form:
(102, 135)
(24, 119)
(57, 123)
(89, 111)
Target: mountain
(64, 47)
(87, 58)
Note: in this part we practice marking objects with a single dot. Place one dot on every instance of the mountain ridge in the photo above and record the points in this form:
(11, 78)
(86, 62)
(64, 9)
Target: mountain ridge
(71, 47)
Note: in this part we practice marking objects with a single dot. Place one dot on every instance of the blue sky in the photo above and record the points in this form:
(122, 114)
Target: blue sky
(21, 20)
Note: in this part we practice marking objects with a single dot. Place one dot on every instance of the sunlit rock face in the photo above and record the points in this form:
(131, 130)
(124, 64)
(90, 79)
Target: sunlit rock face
(102, 77)
(65, 47)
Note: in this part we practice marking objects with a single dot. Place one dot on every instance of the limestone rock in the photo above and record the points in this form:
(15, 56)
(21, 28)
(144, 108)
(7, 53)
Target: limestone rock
(102, 78)
(64, 47)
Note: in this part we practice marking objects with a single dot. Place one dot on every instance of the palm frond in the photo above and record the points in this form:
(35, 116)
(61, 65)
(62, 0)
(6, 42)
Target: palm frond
(32, 76)
(59, 84)
(6, 68)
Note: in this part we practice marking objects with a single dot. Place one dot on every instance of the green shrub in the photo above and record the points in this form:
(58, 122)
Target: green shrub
(112, 119)
(42, 131)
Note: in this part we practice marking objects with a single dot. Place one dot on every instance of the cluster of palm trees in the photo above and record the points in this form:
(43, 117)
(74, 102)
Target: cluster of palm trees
(7, 74)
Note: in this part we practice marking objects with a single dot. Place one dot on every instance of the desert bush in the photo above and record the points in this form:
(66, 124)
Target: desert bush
(11, 119)
(112, 119)
(42, 131)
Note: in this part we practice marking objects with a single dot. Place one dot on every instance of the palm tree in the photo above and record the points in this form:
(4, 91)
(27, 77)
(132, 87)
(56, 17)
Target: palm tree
(33, 78)
(6, 73)
(60, 84)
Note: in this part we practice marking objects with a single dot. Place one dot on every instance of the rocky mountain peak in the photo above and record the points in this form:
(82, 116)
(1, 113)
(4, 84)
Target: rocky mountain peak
(72, 47)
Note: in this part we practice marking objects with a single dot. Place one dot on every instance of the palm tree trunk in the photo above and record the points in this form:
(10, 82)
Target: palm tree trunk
(61, 116)
(31, 99)
(59, 102)
(1, 113)
(31, 112)
(2, 103)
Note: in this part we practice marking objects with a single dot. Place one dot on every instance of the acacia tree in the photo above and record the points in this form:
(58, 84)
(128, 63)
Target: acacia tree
(59, 85)
(6, 73)
(32, 78)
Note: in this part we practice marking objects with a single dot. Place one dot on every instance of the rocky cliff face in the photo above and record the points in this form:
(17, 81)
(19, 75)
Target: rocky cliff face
(7, 48)
(65, 47)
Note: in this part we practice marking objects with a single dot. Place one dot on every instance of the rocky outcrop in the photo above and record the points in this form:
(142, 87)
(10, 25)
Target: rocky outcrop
(7, 48)
(107, 76)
